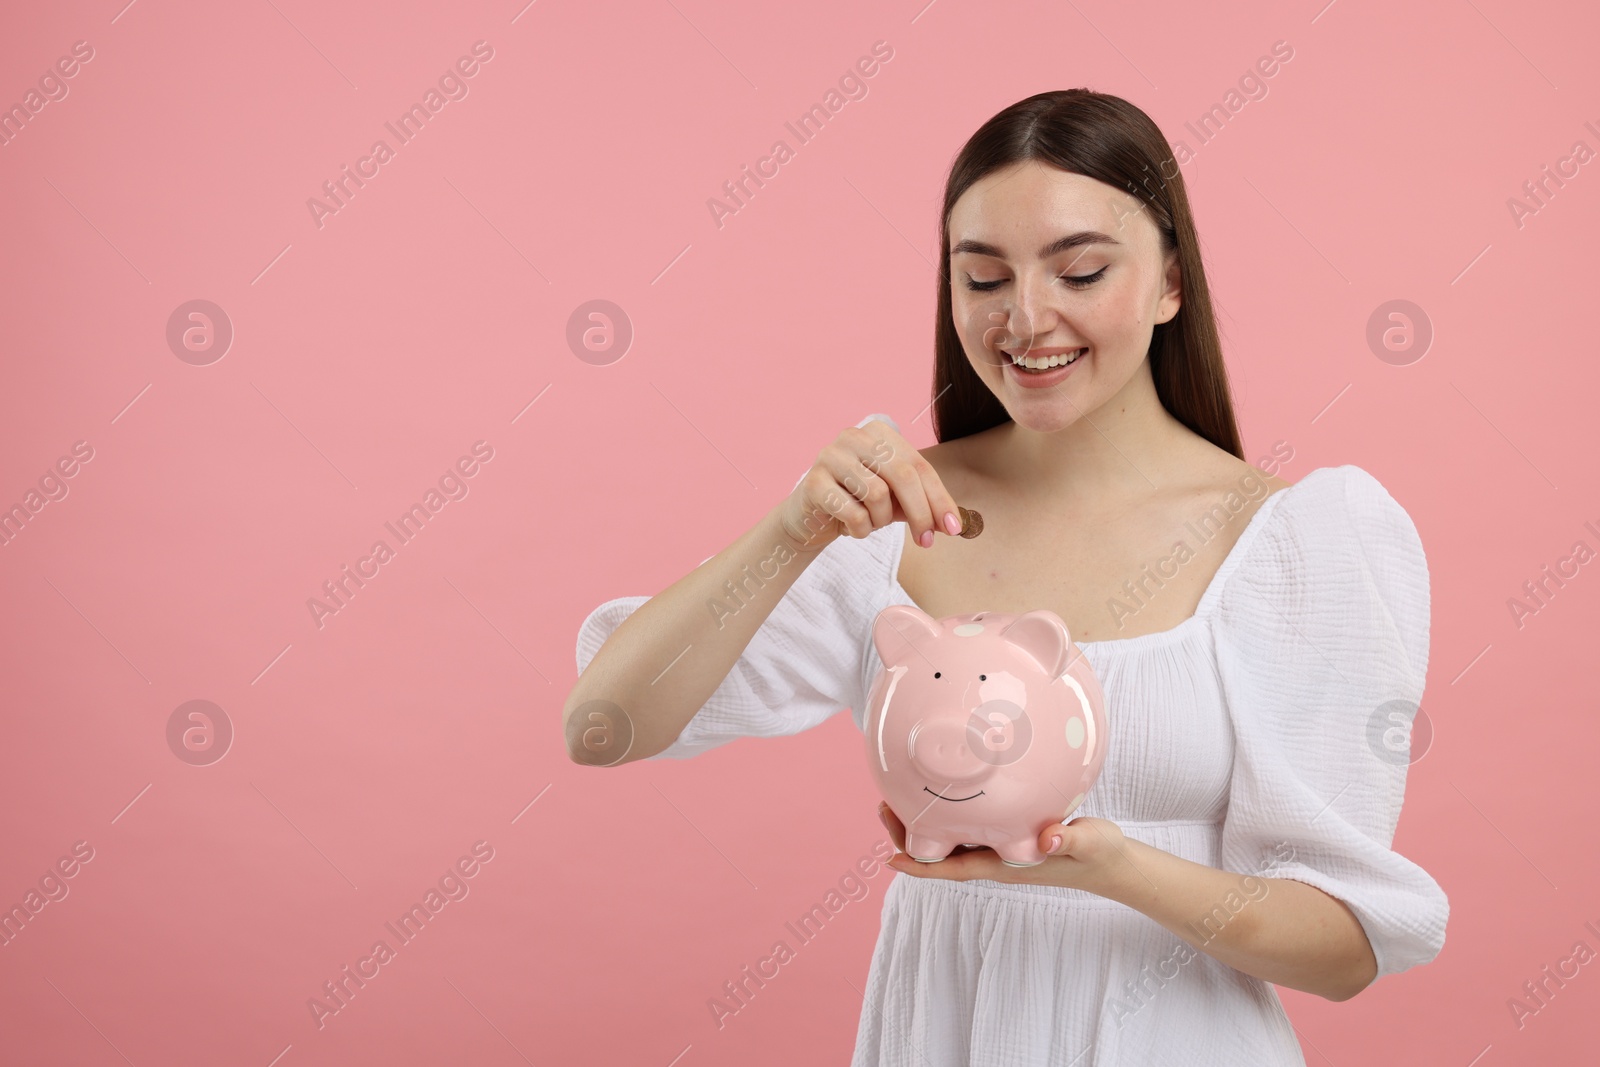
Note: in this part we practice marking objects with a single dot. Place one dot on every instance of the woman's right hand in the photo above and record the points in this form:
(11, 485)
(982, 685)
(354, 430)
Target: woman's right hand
(866, 479)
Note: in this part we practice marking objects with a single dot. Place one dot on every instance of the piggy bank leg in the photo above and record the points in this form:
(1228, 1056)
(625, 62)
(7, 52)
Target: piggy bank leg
(1023, 853)
(927, 848)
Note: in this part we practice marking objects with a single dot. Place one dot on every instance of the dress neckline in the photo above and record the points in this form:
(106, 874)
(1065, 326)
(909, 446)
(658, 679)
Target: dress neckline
(1212, 592)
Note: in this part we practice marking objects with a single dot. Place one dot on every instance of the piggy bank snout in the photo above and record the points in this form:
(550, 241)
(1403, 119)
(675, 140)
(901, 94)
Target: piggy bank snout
(942, 751)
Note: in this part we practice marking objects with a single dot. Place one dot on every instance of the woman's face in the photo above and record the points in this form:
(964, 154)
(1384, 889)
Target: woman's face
(1099, 288)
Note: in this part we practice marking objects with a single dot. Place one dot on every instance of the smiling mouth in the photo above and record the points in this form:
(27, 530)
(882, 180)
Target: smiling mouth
(956, 800)
(1041, 362)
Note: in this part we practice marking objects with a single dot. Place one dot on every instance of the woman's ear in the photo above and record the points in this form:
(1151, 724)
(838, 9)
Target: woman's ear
(1172, 297)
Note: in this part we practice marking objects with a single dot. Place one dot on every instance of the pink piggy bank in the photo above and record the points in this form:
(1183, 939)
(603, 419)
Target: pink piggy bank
(982, 729)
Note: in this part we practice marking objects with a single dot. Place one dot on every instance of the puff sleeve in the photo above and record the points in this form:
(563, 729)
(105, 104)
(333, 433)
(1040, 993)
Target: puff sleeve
(1322, 639)
(805, 661)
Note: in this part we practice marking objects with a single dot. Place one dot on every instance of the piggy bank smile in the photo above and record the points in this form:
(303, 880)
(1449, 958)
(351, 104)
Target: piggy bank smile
(957, 800)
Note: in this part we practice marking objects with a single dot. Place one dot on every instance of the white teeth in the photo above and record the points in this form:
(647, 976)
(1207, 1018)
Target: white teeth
(1047, 362)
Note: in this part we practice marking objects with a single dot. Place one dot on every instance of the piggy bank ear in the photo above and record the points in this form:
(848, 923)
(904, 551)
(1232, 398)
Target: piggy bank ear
(899, 626)
(1043, 636)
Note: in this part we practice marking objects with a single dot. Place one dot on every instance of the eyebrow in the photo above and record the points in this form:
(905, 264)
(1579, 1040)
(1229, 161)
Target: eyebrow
(1060, 244)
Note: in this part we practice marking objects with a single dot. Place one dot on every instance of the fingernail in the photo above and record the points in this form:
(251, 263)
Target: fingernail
(1055, 842)
(926, 540)
(952, 523)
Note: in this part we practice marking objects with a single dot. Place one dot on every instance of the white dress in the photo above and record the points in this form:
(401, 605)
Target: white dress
(1258, 736)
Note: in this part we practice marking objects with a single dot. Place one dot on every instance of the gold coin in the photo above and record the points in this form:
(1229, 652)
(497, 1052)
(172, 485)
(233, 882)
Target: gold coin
(971, 522)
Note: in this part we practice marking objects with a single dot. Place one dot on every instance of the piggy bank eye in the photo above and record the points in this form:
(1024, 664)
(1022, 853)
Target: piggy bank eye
(936, 674)
(983, 677)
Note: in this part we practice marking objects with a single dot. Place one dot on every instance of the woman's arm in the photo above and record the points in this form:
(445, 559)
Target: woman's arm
(665, 660)
(1276, 929)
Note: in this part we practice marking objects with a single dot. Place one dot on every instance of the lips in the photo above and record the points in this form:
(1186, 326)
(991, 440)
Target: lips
(1016, 358)
(1033, 381)
(1041, 353)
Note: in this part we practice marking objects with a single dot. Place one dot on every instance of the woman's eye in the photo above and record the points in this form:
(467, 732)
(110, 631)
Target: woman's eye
(1075, 281)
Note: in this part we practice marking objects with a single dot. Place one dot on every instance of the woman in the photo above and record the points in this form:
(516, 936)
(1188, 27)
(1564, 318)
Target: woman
(1252, 637)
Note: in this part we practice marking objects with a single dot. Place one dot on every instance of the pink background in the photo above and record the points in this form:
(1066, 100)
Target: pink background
(372, 351)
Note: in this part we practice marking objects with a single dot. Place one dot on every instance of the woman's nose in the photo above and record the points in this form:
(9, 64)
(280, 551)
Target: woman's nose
(1029, 312)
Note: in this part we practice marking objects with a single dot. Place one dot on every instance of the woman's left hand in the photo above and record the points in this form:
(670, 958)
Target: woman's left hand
(1083, 851)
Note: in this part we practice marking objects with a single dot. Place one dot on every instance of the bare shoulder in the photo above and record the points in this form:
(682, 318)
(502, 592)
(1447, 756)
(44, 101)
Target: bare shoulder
(1274, 482)
(945, 457)
(1225, 472)
(957, 461)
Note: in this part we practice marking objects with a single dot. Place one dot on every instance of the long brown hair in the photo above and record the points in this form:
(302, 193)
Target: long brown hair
(1110, 140)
